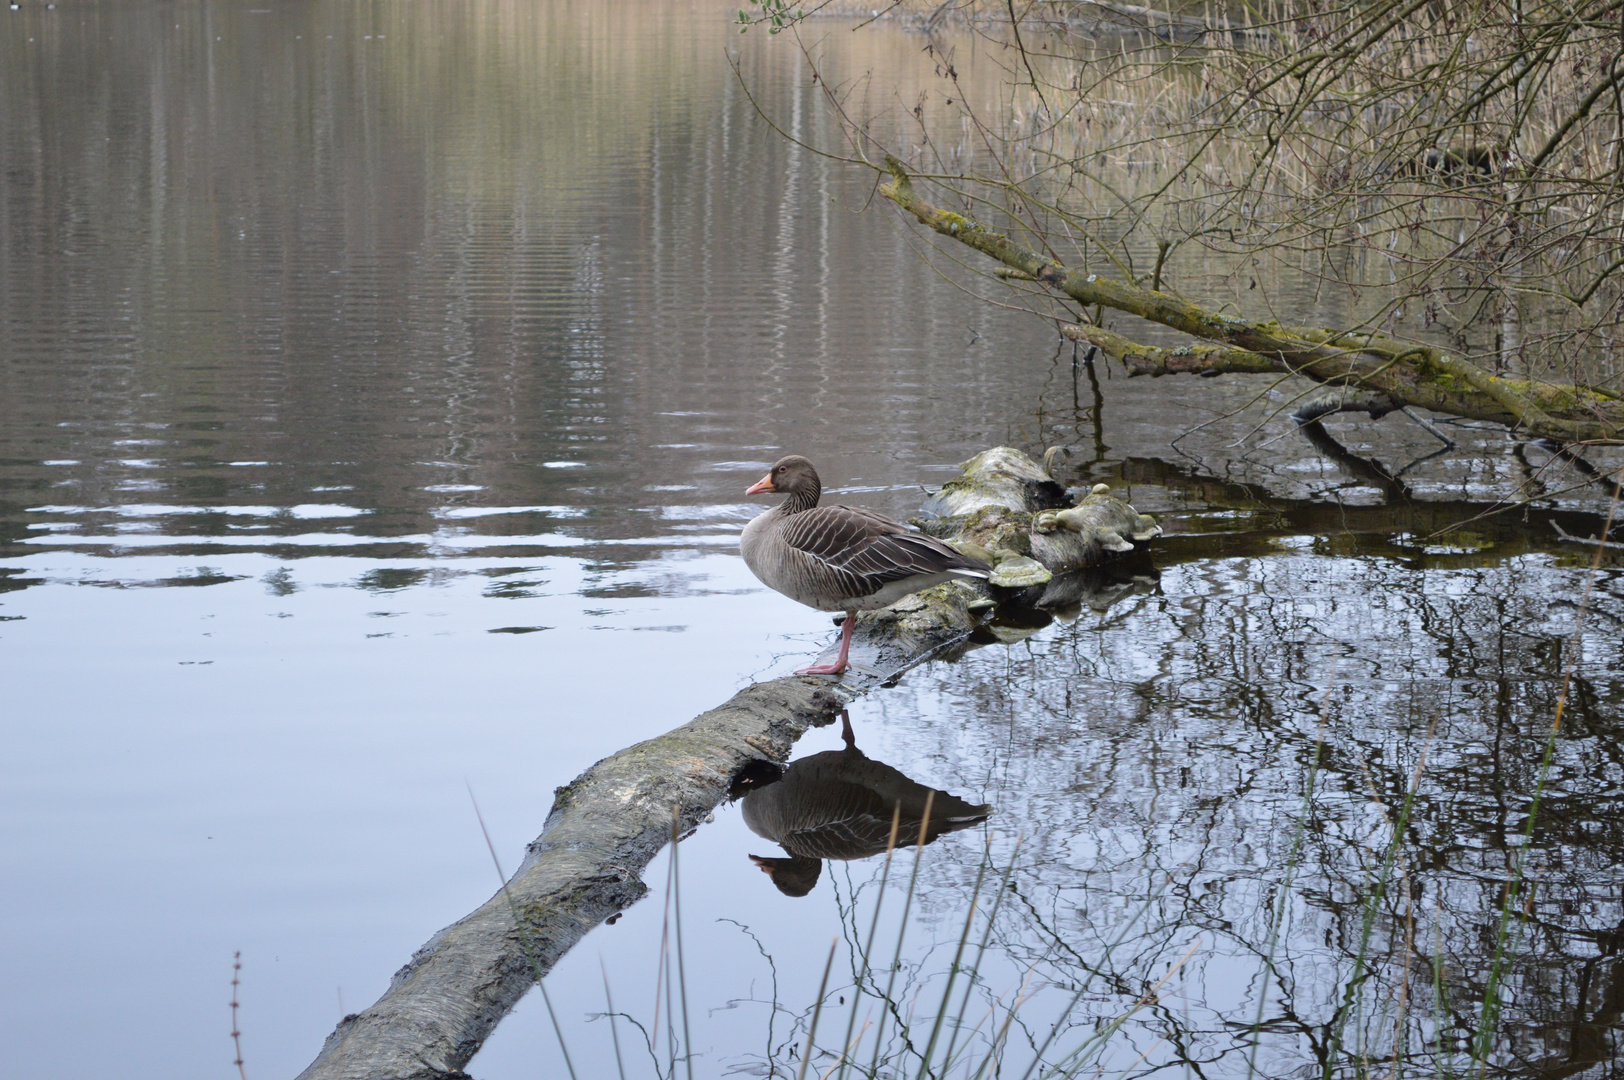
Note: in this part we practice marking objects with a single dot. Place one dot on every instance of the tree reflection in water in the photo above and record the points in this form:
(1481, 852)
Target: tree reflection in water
(1311, 767)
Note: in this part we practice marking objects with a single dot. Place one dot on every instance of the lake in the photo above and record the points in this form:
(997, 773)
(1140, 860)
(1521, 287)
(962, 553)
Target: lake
(379, 384)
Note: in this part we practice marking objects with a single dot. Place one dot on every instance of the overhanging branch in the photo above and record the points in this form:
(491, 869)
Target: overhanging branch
(1407, 372)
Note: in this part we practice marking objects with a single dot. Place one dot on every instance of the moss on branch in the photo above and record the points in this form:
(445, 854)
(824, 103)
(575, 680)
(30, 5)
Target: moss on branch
(1411, 373)
(1152, 360)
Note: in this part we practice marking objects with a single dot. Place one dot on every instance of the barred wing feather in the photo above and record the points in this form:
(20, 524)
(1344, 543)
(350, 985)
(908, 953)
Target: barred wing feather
(869, 550)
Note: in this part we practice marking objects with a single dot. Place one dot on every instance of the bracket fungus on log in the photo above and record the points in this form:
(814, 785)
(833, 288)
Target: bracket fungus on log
(1011, 513)
(1002, 476)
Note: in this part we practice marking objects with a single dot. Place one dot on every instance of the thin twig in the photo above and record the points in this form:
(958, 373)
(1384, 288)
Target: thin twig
(236, 1036)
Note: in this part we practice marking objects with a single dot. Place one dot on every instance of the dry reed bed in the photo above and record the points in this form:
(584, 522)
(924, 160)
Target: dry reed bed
(1453, 170)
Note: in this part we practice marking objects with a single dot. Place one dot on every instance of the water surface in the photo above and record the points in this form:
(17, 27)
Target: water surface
(378, 387)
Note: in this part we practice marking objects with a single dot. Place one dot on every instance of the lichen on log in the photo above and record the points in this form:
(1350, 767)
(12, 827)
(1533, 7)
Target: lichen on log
(1002, 476)
(1410, 373)
(1006, 510)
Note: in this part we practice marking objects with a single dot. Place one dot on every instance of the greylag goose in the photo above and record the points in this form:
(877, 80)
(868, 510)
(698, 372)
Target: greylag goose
(840, 558)
(840, 805)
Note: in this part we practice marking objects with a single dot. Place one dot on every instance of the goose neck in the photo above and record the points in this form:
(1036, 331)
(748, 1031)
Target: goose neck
(799, 500)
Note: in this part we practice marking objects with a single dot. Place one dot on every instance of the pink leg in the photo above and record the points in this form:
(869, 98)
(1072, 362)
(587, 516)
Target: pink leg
(846, 732)
(839, 665)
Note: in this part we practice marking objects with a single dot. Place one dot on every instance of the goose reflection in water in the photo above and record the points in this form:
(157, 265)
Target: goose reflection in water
(839, 805)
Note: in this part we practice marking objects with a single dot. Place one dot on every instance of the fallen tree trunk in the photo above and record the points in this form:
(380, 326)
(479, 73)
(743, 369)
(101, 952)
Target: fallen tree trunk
(586, 866)
(607, 824)
(1407, 372)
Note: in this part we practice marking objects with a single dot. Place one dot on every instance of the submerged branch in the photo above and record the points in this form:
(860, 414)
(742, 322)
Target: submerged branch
(1407, 372)
(1593, 541)
(1344, 400)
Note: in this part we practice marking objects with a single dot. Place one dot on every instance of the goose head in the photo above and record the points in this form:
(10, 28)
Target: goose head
(794, 876)
(793, 476)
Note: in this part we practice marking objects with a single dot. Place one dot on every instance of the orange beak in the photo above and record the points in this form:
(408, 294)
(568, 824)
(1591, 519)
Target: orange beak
(762, 486)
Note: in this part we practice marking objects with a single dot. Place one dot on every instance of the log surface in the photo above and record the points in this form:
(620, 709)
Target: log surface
(586, 866)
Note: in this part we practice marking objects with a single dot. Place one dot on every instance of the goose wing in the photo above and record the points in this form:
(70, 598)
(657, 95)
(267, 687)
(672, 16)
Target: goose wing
(868, 550)
(839, 805)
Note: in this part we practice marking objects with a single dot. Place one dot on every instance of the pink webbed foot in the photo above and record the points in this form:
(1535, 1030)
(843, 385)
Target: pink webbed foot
(839, 666)
(836, 668)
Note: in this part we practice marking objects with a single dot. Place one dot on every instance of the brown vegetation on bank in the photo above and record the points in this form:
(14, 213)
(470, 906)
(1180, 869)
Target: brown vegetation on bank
(1419, 200)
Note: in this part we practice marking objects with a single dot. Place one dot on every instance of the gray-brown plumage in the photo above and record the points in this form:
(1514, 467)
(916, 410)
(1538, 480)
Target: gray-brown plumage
(840, 558)
(839, 805)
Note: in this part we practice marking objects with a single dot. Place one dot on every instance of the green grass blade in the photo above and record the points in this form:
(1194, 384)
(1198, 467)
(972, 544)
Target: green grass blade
(817, 1011)
(868, 945)
(524, 936)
